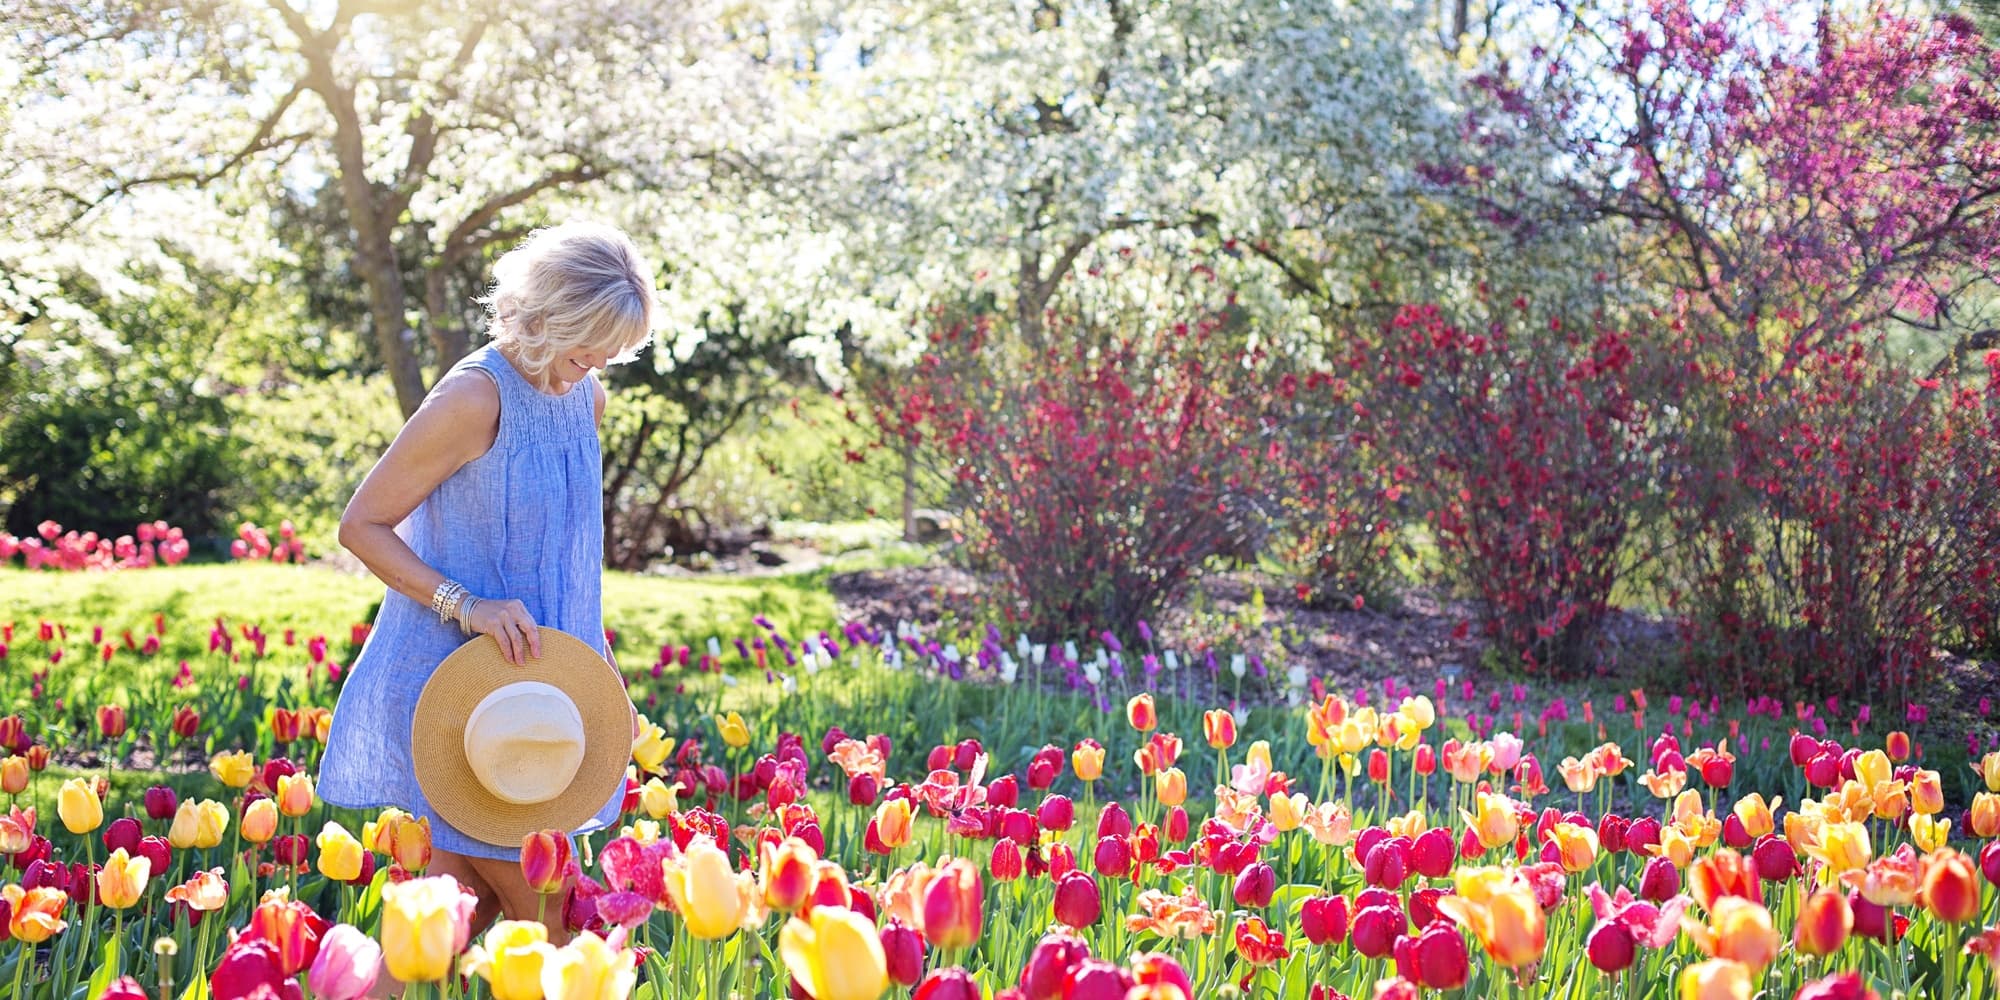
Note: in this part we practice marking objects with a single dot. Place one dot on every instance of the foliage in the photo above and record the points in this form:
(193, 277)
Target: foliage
(1101, 473)
(306, 445)
(1849, 527)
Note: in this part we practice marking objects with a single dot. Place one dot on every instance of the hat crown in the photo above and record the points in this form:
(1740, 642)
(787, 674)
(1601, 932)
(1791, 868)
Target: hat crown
(524, 742)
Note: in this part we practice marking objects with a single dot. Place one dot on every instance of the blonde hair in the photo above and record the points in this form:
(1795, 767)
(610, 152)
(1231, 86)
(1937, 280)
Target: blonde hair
(577, 285)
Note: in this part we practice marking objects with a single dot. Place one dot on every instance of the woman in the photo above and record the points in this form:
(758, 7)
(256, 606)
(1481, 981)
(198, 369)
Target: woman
(484, 517)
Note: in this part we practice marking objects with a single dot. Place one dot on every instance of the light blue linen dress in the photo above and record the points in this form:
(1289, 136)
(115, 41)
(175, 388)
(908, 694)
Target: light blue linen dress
(522, 521)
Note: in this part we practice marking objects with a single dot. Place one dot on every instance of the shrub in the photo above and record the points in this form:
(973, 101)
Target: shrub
(1533, 456)
(1846, 520)
(1100, 473)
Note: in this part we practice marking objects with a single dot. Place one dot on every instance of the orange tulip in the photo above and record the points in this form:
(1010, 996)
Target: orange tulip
(892, 822)
(1897, 745)
(1950, 889)
(1716, 979)
(36, 914)
(295, 794)
(1739, 930)
(1891, 880)
(1500, 910)
(1724, 873)
(407, 839)
(1926, 795)
(206, 891)
(14, 775)
(1141, 714)
(260, 822)
(1219, 727)
(1577, 846)
(1986, 815)
(1495, 824)
(1755, 815)
(1173, 787)
(1824, 922)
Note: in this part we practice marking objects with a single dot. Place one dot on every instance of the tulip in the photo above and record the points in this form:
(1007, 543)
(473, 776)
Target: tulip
(1989, 862)
(1152, 969)
(862, 789)
(124, 988)
(657, 798)
(711, 897)
(38, 757)
(1576, 846)
(293, 931)
(1724, 873)
(339, 853)
(1774, 859)
(233, 768)
(1926, 795)
(545, 859)
(1839, 986)
(1873, 921)
(403, 837)
(1610, 947)
(1824, 922)
(204, 892)
(34, 915)
(892, 822)
(111, 721)
(651, 747)
(1255, 885)
(123, 832)
(1715, 979)
(1495, 823)
(510, 958)
(1843, 847)
(1288, 812)
(1056, 813)
(1740, 930)
(1950, 889)
(186, 722)
(1378, 766)
(14, 775)
(78, 806)
(1087, 760)
(260, 822)
(1113, 856)
(902, 952)
(1006, 863)
(295, 794)
(1078, 903)
(953, 906)
(1988, 768)
(787, 875)
(250, 968)
(160, 802)
(348, 964)
(1376, 929)
(424, 924)
(122, 880)
(1140, 713)
(1172, 787)
(589, 968)
(1050, 965)
(1440, 958)
(1218, 727)
(947, 984)
(733, 731)
(1984, 816)
(837, 955)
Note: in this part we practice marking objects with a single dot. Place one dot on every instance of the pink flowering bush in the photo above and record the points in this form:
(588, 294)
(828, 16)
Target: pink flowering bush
(151, 543)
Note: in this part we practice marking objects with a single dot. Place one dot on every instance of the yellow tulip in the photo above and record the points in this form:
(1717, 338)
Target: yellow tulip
(1576, 844)
(295, 794)
(122, 879)
(1872, 768)
(734, 732)
(1288, 812)
(187, 818)
(1928, 832)
(1495, 824)
(14, 775)
(1172, 784)
(836, 955)
(651, 747)
(1088, 761)
(1842, 847)
(422, 923)
(1260, 756)
(339, 853)
(1989, 771)
(1675, 846)
(260, 822)
(710, 896)
(1716, 979)
(589, 969)
(1755, 815)
(1985, 815)
(1409, 824)
(234, 768)
(1418, 710)
(78, 806)
(510, 958)
(657, 798)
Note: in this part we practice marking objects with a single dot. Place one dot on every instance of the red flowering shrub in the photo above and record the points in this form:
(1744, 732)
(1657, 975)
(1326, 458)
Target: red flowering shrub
(1534, 460)
(1343, 518)
(1100, 473)
(1849, 526)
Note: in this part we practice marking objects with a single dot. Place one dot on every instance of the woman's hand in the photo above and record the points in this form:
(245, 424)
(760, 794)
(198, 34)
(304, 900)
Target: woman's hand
(510, 624)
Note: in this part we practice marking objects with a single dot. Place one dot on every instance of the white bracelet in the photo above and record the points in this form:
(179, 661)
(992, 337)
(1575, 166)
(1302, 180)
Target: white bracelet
(465, 614)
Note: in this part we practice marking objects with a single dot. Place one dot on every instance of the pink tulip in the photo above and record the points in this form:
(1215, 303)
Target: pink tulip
(349, 962)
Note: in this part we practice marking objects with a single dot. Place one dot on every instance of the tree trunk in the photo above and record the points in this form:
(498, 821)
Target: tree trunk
(448, 337)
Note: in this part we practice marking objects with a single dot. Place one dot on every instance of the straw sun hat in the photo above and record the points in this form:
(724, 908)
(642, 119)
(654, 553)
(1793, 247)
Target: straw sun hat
(503, 751)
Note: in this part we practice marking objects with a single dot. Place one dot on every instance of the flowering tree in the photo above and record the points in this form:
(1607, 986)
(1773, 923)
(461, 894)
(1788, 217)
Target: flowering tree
(445, 127)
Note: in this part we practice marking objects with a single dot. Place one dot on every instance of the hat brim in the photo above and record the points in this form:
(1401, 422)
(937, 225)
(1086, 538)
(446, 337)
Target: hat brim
(468, 675)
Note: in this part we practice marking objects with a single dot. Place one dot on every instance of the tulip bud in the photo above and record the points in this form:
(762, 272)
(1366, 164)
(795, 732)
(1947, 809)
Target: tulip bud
(1897, 746)
(545, 857)
(1114, 821)
(1388, 864)
(947, 984)
(1004, 792)
(1660, 881)
(1376, 929)
(1078, 902)
(1378, 766)
(260, 821)
(1113, 857)
(123, 834)
(1989, 862)
(1431, 853)
(1140, 713)
(1803, 749)
(1610, 947)
(862, 789)
(1775, 859)
(161, 802)
(1177, 825)
(1218, 726)
(903, 948)
(1255, 885)
(1426, 760)
(1440, 958)
(1006, 862)
(1324, 919)
(124, 988)
(1056, 813)
(111, 721)
(1824, 922)
(1823, 770)
(1641, 834)
(14, 775)
(1950, 890)
(1050, 965)
(953, 906)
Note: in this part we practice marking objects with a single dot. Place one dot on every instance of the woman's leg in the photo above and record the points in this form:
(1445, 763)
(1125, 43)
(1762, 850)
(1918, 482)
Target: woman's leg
(519, 902)
(462, 868)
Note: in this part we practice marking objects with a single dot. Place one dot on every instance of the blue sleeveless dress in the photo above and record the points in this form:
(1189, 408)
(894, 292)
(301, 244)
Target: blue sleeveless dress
(523, 521)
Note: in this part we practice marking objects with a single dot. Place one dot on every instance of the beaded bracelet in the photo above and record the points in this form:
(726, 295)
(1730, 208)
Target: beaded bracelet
(446, 599)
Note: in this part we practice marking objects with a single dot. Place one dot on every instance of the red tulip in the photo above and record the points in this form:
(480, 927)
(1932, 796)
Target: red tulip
(1113, 857)
(1096, 979)
(1045, 767)
(862, 789)
(186, 722)
(947, 984)
(1950, 890)
(1006, 862)
(111, 721)
(124, 988)
(1376, 929)
(1056, 813)
(1441, 959)
(1004, 792)
(1388, 864)
(1324, 919)
(1378, 766)
(13, 734)
(1255, 885)
(1839, 986)
(1660, 881)
(1610, 947)
(1177, 825)
(953, 906)
(1114, 822)
(1078, 902)
(1803, 749)
(903, 950)
(1824, 922)
(1049, 966)
(1431, 853)
(1426, 760)
(161, 802)
(250, 968)
(1775, 859)
(1989, 862)
(123, 833)
(1897, 746)
(1155, 969)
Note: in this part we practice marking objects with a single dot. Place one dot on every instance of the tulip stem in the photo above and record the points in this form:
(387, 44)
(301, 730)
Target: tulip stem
(21, 967)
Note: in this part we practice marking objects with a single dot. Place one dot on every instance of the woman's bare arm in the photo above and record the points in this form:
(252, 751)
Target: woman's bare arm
(457, 423)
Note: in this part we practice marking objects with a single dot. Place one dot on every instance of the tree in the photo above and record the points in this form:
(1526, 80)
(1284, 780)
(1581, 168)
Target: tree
(447, 127)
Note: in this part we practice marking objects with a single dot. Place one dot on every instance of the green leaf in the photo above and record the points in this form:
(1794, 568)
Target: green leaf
(107, 967)
(197, 989)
